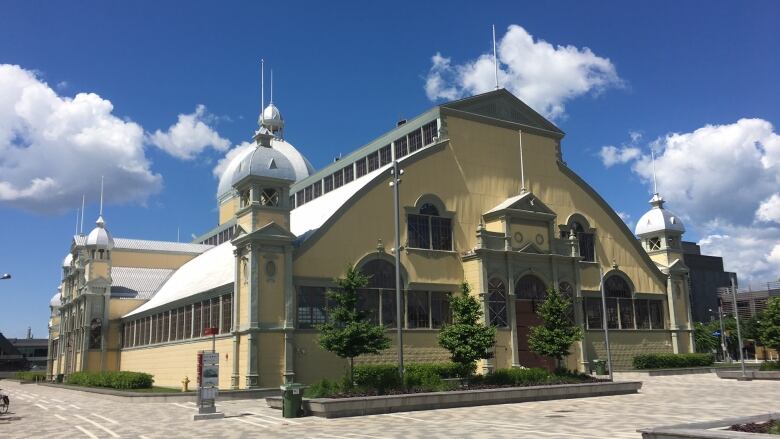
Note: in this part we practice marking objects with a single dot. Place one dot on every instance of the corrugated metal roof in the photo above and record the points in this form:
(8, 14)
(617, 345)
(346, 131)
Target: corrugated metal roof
(163, 246)
(137, 283)
(146, 244)
(212, 269)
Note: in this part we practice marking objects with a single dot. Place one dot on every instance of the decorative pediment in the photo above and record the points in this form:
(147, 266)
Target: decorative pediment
(269, 232)
(531, 247)
(502, 105)
(524, 203)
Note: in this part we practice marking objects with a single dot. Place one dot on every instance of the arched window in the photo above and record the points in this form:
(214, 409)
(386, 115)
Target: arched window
(620, 306)
(585, 238)
(381, 273)
(95, 331)
(428, 230)
(496, 301)
(530, 287)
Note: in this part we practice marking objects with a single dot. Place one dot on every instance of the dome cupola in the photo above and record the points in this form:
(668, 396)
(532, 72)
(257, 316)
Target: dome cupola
(99, 237)
(658, 220)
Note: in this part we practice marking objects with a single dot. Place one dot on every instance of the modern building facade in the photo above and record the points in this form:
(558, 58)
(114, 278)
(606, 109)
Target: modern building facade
(486, 198)
(706, 275)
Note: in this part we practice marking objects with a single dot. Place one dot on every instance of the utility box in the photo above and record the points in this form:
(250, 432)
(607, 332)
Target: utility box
(292, 400)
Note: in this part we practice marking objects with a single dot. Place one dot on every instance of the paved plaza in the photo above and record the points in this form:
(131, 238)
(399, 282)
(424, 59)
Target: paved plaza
(47, 412)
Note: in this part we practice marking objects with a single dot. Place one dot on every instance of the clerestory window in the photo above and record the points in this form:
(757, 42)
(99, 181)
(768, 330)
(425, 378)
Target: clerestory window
(428, 230)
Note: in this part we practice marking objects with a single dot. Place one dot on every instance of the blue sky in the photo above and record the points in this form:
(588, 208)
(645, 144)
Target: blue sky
(344, 73)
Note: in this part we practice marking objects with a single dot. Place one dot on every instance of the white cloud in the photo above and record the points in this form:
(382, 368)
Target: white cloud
(189, 136)
(54, 148)
(612, 155)
(769, 210)
(723, 179)
(542, 75)
(626, 217)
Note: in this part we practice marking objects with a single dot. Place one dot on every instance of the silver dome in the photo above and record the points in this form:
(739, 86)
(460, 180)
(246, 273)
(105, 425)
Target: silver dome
(100, 237)
(264, 162)
(55, 301)
(658, 219)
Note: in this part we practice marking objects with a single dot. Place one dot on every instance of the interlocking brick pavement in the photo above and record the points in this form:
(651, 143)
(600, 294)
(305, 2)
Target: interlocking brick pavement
(49, 412)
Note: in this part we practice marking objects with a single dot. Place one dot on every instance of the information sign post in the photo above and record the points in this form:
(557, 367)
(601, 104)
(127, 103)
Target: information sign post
(208, 382)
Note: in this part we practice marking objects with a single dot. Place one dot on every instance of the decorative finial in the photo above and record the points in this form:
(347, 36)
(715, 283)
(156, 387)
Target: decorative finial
(81, 228)
(272, 86)
(380, 246)
(614, 264)
(655, 181)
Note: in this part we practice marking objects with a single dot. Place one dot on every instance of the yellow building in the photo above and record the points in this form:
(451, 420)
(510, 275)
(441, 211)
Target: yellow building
(486, 198)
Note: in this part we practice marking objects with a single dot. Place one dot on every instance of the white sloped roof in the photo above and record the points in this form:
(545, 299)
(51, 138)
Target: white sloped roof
(313, 214)
(214, 268)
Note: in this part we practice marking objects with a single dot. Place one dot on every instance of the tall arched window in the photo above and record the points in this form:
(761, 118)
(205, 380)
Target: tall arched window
(620, 306)
(585, 238)
(427, 229)
(530, 287)
(496, 301)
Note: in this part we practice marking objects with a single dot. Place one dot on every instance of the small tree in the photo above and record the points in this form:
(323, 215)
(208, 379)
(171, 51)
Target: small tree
(467, 339)
(704, 340)
(769, 326)
(555, 336)
(348, 332)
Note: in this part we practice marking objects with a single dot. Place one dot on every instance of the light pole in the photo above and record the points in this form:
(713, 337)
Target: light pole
(395, 175)
(5, 276)
(604, 321)
(739, 332)
(726, 357)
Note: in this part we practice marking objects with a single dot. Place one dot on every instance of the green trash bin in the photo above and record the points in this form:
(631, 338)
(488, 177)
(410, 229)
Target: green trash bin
(292, 400)
(600, 367)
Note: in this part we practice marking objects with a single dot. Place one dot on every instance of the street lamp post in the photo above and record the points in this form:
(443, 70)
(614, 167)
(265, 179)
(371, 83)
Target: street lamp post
(739, 332)
(395, 175)
(726, 357)
(604, 322)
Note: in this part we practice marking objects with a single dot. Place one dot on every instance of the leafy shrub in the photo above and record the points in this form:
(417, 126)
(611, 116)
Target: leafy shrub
(116, 380)
(31, 376)
(770, 365)
(517, 377)
(667, 361)
(380, 377)
(322, 389)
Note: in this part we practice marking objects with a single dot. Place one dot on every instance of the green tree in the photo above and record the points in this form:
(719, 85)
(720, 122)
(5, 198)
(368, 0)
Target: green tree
(467, 338)
(769, 326)
(703, 338)
(348, 332)
(554, 337)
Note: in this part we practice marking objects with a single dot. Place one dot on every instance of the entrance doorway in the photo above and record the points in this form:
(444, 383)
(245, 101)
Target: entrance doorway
(530, 292)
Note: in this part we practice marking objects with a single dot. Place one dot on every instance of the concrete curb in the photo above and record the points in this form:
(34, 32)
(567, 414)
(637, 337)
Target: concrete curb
(135, 397)
(709, 430)
(372, 405)
(751, 374)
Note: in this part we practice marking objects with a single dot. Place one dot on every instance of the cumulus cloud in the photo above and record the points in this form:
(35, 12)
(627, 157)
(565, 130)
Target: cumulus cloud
(725, 181)
(542, 75)
(612, 155)
(190, 135)
(769, 210)
(626, 217)
(54, 148)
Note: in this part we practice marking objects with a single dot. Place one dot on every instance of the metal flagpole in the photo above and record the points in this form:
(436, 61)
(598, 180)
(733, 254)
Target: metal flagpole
(739, 332)
(722, 332)
(604, 321)
(495, 55)
(396, 173)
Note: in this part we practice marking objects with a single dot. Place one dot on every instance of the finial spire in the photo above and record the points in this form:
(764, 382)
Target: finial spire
(522, 165)
(101, 195)
(262, 89)
(655, 181)
(272, 86)
(81, 228)
(495, 55)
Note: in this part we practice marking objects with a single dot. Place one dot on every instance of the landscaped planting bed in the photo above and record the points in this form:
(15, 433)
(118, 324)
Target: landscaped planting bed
(670, 361)
(771, 427)
(114, 380)
(383, 379)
